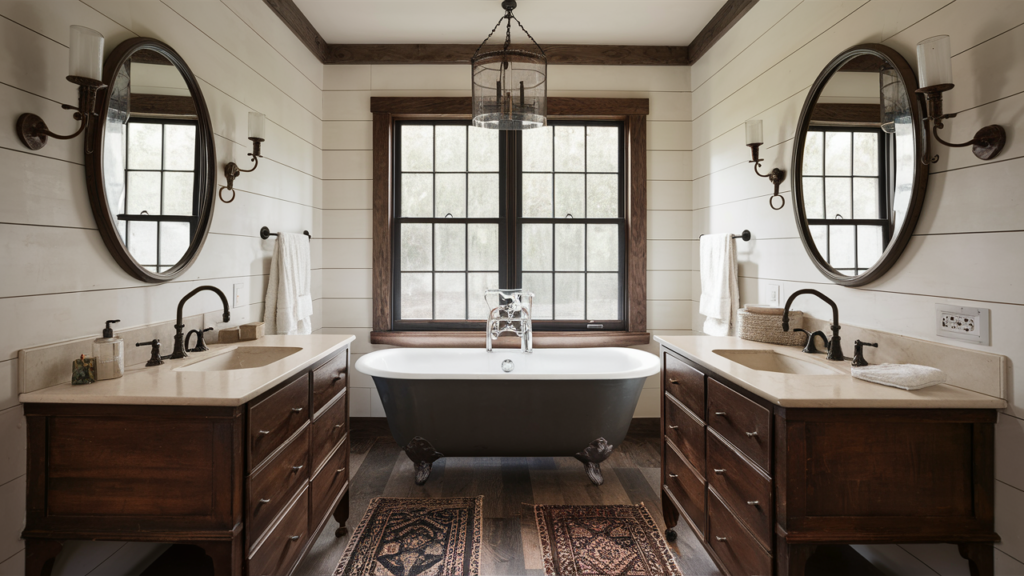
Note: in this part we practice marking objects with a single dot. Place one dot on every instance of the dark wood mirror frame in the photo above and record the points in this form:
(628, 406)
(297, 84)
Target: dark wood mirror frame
(205, 167)
(920, 181)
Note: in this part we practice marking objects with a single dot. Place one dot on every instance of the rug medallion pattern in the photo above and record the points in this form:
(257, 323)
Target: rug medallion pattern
(416, 537)
(602, 540)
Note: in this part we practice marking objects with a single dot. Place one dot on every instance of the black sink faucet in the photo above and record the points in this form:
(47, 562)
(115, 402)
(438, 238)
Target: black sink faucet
(179, 326)
(835, 349)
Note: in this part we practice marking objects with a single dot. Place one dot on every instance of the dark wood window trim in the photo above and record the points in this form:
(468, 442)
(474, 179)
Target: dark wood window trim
(633, 111)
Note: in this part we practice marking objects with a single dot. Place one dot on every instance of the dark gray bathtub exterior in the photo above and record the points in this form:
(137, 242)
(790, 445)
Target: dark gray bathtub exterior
(499, 417)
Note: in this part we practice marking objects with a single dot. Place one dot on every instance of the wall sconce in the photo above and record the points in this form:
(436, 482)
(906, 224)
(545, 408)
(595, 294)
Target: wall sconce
(257, 131)
(754, 139)
(85, 68)
(935, 75)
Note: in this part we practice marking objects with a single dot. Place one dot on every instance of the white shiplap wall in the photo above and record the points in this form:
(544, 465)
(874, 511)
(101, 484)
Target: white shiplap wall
(967, 248)
(58, 280)
(347, 189)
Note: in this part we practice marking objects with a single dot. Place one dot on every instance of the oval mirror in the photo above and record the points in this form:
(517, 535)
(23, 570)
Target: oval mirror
(859, 184)
(150, 161)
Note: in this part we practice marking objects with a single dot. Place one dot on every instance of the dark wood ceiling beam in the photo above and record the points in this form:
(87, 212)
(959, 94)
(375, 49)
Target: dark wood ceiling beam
(720, 23)
(605, 55)
(461, 54)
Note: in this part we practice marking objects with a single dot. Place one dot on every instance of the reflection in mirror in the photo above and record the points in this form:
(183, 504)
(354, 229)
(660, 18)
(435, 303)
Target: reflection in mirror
(858, 168)
(149, 161)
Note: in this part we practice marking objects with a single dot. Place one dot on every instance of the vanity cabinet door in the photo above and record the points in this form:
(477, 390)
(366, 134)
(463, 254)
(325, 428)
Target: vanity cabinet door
(329, 380)
(329, 482)
(687, 487)
(685, 432)
(744, 488)
(279, 553)
(273, 485)
(275, 418)
(328, 429)
(734, 546)
(685, 383)
(741, 421)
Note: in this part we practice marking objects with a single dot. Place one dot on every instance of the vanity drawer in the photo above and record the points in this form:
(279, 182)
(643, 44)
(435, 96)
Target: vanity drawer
(329, 380)
(328, 429)
(741, 421)
(733, 545)
(743, 487)
(274, 484)
(687, 487)
(329, 482)
(686, 383)
(279, 552)
(275, 418)
(686, 432)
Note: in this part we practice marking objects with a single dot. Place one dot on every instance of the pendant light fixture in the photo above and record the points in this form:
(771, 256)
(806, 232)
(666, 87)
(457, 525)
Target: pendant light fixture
(510, 86)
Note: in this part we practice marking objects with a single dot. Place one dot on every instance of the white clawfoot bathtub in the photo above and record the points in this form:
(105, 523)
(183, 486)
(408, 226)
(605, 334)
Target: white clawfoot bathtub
(470, 402)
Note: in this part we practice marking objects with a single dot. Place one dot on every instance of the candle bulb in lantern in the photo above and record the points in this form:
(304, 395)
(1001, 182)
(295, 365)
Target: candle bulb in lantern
(86, 54)
(257, 126)
(754, 132)
(934, 63)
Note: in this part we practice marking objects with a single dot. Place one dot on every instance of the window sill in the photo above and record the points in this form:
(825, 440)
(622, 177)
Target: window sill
(540, 339)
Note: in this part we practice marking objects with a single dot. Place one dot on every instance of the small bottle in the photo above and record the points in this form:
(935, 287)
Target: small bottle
(109, 353)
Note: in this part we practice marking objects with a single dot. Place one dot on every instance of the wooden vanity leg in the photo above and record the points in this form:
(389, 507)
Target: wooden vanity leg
(792, 560)
(40, 555)
(671, 515)
(226, 556)
(341, 515)
(980, 557)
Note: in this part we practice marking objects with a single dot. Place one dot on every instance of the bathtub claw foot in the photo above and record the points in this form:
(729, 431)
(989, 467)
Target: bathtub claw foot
(592, 456)
(423, 456)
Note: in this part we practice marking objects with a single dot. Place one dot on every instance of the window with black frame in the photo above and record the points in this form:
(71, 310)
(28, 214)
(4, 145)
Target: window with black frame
(477, 209)
(845, 192)
(159, 210)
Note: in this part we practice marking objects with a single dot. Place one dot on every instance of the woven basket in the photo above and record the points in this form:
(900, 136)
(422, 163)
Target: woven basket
(768, 328)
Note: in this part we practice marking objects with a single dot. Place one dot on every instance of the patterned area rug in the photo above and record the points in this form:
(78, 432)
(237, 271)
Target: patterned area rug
(602, 540)
(416, 537)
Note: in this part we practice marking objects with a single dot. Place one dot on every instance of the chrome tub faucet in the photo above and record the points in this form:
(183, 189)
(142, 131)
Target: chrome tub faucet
(510, 312)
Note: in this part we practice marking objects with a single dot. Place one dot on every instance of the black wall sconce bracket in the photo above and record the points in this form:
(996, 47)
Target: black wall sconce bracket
(777, 176)
(986, 144)
(33, 131)
(232, 171)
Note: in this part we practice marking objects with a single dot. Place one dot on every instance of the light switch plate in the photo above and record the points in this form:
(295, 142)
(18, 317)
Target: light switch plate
(960, 323)
(773, 295)
(239, 290)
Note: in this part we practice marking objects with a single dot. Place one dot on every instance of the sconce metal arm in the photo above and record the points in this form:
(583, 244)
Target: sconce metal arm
(33, 131)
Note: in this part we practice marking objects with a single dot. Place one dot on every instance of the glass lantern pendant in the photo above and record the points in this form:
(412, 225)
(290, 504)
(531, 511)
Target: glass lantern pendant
(510, 88)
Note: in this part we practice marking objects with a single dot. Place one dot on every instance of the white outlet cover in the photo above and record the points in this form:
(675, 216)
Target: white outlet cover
(773, 295)
(239, 290)
(960, 323)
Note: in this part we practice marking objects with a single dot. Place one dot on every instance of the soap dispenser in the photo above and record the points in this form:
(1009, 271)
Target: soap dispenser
(109, 353)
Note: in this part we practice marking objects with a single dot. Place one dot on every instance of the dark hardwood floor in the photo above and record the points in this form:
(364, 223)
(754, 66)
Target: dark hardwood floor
(510, 487)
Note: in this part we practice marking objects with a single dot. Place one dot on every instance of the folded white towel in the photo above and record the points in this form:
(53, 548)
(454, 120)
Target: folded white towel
(289, 303)
(719, 283)
(904, 376)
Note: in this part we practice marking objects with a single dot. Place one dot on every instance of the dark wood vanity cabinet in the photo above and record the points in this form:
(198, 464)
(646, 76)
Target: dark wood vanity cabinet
(253, 485)
(762, 486)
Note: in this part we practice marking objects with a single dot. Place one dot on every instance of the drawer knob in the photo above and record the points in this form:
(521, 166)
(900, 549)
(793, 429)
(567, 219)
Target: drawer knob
(264, 500)
(722, 414)
(264, 432)
(340, 470)
(673, 427)
(673, 380)
(720, 538)
(673, 475)
(752, 502)
(720, 471)
(336, 426)
(752, 434)
(293, 538)
(297, 468)
(296, 410)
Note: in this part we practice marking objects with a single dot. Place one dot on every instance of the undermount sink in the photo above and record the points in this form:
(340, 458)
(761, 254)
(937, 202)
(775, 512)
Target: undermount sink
(771, 361)
(241, 358)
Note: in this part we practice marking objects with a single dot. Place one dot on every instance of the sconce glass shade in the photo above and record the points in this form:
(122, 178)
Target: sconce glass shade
(257, 126)
(755, 129)
(510, 90)
(86, 54)
(895, 100)
(934, 62)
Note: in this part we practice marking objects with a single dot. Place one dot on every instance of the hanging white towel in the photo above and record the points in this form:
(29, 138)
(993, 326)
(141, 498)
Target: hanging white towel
(903, 376)
(719, 283)
(289, 304)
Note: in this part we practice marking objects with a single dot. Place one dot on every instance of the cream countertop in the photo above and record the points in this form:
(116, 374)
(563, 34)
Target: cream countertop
(806, 391)
(164, 386)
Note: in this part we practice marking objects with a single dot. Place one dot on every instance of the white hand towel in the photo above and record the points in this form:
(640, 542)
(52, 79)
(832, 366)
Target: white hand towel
(903, 376)
(289, 304)
(719, 283)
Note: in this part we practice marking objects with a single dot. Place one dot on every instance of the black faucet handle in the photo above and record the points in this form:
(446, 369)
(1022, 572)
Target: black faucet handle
(154, 357)
(809, 347)
(207, 329)
(858, 352)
